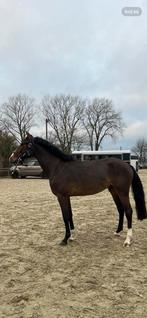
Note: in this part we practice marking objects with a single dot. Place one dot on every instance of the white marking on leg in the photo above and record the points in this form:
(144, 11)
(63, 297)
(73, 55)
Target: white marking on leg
(117, 234)
(129, 238)
(72, 235)
(11, 155)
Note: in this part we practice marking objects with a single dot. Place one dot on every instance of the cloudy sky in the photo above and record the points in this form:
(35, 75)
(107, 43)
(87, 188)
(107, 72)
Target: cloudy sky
(83, 47)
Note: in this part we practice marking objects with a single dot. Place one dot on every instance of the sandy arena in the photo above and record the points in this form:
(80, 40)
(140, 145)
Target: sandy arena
(94, 276)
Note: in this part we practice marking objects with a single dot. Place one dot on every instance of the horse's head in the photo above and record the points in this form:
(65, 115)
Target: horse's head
(23, 150)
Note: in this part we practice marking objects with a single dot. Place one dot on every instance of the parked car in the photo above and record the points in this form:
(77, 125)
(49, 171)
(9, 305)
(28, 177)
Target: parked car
(29, 168)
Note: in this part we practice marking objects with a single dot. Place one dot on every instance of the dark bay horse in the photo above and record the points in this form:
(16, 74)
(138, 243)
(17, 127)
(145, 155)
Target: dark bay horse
(69, 177)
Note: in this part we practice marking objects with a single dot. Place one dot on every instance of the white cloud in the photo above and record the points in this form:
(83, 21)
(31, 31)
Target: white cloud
(79, 47)
(136, 130)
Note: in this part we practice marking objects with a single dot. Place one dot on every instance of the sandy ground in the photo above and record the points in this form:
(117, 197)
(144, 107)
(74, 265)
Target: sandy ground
(94, 276)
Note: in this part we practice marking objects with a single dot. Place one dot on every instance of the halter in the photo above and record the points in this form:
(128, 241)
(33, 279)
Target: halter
(27, 142)
(26, 153)
(28, 150)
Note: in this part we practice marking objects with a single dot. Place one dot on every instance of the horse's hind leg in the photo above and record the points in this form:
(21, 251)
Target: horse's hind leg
(70, 215)
(128, 212)
(71, 223)
(120, 209)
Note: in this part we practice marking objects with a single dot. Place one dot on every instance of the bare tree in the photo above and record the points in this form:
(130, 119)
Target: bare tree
(101, 121)
(140, 150)
(17, 115)
(63, 114)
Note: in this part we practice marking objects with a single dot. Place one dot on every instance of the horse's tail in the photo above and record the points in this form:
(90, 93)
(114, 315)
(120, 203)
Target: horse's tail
(139, 196)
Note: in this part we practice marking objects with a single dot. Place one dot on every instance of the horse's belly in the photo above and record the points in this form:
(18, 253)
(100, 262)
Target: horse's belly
(86, 188)
(76, 186)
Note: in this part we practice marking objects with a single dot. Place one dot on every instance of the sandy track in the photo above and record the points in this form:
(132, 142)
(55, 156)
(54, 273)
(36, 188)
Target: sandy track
(94, 276)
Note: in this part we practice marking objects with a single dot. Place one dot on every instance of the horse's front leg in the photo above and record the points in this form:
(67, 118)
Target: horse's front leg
(67, 217)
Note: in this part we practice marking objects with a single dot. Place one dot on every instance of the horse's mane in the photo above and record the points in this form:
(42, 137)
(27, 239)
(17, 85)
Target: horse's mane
(52, 149)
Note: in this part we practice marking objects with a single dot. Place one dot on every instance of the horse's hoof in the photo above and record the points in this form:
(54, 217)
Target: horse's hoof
(63, 243)
(127, 242)
(117, 234)
(71, 239)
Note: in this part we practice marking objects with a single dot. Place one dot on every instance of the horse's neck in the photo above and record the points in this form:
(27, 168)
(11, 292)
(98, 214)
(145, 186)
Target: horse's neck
(47, 161)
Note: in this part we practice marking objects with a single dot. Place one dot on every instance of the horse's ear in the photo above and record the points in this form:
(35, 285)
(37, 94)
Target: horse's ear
(29, 136)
